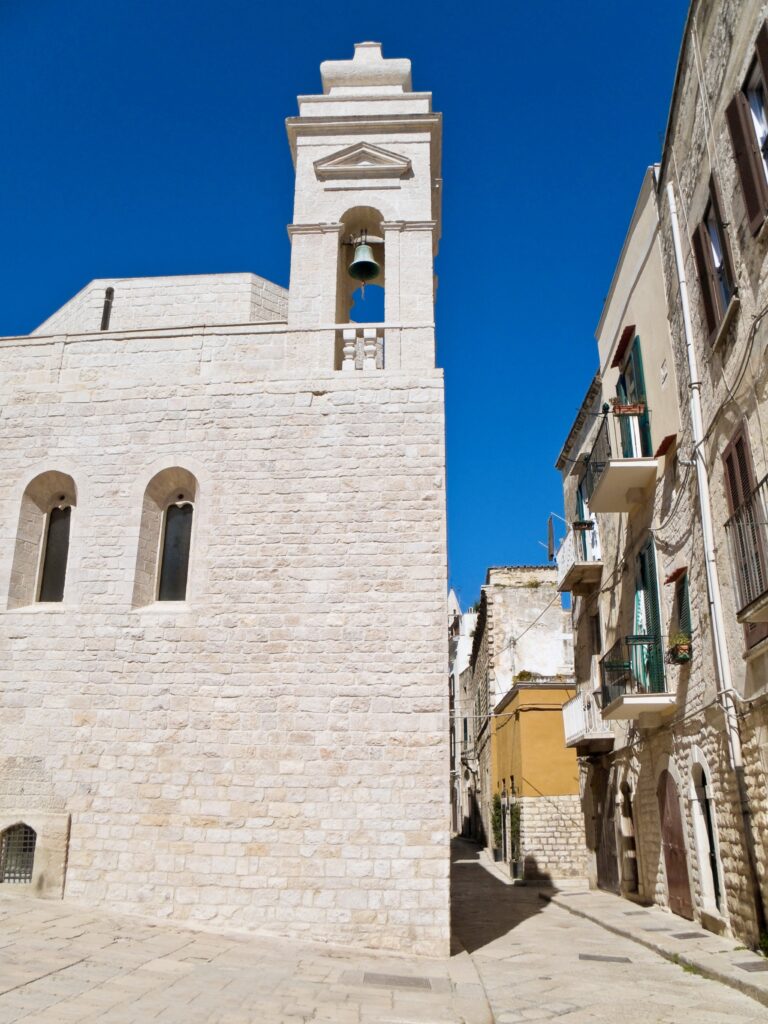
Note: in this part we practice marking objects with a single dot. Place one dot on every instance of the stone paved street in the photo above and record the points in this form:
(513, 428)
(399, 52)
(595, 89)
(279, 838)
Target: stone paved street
(530, 958)
(60, 964)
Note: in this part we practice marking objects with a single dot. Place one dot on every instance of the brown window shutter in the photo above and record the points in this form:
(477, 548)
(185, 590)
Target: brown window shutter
(761, 48)
(703, 254)
(748, 160)
(717, 206)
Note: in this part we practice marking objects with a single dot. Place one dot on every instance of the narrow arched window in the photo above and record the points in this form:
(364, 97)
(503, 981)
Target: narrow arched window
(17, 853)
(174, 564)
(54, 570)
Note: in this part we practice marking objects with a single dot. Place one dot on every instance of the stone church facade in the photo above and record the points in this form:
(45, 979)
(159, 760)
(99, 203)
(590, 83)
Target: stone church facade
(223, 567)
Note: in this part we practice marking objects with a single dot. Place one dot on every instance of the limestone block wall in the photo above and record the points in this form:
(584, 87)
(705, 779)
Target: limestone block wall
(270, 754)
(552, 837)
(152, 302)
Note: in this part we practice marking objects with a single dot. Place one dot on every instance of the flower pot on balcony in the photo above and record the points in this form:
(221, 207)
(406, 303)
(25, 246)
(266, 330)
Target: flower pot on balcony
(583, 524)
(628, 408)
(680, 654)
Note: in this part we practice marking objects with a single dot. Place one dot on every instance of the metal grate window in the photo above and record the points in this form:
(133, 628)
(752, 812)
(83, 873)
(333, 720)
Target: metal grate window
(17, 853)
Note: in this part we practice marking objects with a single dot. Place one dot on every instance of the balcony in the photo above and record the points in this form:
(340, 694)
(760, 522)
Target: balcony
(621, 469)
(747, 532)
(584, 726)
(633, 683)
(579, 560)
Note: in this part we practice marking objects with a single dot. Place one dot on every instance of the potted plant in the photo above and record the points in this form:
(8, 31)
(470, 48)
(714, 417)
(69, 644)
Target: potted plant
(679, 651)
(515, 852)
(496, 826)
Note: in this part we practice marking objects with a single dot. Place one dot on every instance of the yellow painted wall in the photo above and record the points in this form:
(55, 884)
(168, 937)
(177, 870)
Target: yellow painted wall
(528, 744)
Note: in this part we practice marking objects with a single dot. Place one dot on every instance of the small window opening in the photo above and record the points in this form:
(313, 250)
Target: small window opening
(106, 312)
(17, 854)
(758, 109)
(56, 552)
(174, 565)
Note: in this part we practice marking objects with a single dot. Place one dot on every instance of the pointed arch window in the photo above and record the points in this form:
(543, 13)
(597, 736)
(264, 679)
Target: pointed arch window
(17, 853)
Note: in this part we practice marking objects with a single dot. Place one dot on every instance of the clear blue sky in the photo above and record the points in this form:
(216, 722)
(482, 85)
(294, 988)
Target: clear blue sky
(147, 138)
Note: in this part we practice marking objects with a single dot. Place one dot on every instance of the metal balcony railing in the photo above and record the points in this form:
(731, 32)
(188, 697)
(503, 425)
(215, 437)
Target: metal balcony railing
(634, 665)
(747, 532)
(622, 435)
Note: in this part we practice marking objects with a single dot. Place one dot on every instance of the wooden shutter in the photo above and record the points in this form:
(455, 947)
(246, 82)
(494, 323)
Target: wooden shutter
(748, 160)
(739, 475)
(717, 208)
(761, 48)
(707, 283)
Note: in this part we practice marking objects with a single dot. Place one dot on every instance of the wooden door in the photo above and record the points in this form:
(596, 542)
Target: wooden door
(606, 854)
(673, 846)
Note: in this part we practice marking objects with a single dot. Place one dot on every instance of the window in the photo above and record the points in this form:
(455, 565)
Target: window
(713, 262)
(17, 853)
(746, 530)
(646, 656)
(682, 606)
(41, 550)
(630, 391)
(163, 566)
(54, 569)
(174, 564)
(747, 116)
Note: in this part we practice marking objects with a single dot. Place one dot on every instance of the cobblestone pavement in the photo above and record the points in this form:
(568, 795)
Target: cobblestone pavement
(61, 964)
(538, 962)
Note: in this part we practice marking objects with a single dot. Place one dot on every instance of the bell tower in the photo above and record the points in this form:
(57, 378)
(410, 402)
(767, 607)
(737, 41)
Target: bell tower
(367, 159)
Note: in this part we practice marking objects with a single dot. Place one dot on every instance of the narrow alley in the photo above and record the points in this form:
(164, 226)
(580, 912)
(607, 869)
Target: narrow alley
(538, 962)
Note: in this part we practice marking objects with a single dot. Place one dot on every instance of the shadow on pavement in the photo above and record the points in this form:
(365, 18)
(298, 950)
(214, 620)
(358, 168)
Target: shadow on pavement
(483, 908)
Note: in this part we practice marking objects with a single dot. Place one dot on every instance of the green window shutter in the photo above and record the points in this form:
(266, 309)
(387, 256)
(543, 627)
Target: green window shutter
(683, 606)
(645, 423)
(654, 660)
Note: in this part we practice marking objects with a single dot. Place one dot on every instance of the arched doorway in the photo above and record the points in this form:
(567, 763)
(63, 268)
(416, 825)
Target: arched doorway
(673, 846)
(703, 810)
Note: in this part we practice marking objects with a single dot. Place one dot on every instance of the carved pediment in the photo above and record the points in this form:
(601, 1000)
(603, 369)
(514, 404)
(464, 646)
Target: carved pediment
(362, 161)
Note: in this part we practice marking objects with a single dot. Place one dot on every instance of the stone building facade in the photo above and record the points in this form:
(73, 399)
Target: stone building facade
(677, 811)
(519, 675)
(267, 747)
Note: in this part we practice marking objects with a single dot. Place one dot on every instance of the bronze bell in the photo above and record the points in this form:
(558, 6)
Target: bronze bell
(363, 266)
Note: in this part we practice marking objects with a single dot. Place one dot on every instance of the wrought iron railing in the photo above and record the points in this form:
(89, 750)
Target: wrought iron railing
(747, 532)
(634, 665)
(598, 458)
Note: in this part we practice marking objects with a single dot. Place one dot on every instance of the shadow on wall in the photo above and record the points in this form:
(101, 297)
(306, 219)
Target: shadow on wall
(484, 908)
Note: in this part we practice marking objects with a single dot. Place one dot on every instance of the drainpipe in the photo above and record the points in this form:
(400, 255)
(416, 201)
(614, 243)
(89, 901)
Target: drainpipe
(726, 694)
